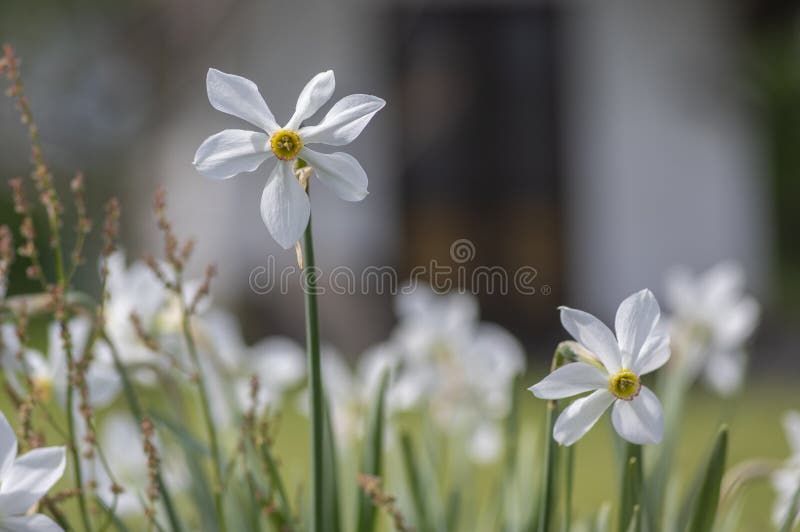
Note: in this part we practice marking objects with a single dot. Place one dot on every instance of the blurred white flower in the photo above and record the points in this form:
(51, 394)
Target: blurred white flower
(48, 374)
(24, 480)
(285, 207)
(712, 320)
(786, 480)
(133, 288)
(442, 358)
(636, 350)
(279, 363)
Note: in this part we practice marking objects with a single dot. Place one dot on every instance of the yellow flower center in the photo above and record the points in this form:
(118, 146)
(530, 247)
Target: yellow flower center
(286, 144)
(625, 384)
(42, 388)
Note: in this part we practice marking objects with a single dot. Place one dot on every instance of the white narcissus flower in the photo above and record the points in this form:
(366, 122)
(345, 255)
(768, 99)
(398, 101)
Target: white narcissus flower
(24, 480)
(713, 319)
(637, 350)
(786, 480)
(285, 207)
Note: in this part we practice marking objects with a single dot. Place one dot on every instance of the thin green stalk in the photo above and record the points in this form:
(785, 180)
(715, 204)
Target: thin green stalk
(631, 489)
(285, 508)
(415, 484)
(136, 409)
(207, 416)
(547, 501)
(315, 383)
(569, 473)
(73, 437)
(548, 494)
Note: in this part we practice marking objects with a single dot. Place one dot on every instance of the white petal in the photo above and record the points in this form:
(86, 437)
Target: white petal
(636, 317)
(8, 446)
(339, 171)
(640, 420)
(724, 371)
(31, 476)
(345, 121)
(231, 152)
(736, 323)
(791, 425)
(285, 208)
(29, 523)
(722, 282)
(485, 443)
(654, 353)
(314, 95)
(570, 379)
(239, 97)
(594, 335)
(580, 416)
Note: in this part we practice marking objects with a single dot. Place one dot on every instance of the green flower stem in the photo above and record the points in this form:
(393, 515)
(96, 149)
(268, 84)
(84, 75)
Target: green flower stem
(73, 436)
(631, 489)
(207, 417)
(315, 382)
(547, 503)
(136, 409)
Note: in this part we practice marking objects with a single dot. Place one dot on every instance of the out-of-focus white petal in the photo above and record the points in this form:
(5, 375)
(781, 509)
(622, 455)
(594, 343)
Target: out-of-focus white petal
(8, 446)
(722, 283)
(724, 371)
(345, 121)
(339, 171)
(285, 208)
(736, 323)
(239, 97)
(314, 95)
(570, 379)
(654, 353)
(485, 443)
(231, 152)
(29, 523)
(279, 363)
(30, 477)
(594, 335)
(640, 420)
(681, 290)
(636, 318)
(580, 416)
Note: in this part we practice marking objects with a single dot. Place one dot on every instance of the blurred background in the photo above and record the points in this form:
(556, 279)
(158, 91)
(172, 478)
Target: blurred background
(601, 143)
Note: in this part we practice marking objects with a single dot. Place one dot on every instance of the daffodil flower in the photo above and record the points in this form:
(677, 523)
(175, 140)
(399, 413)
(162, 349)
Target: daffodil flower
(285, 207)
(24, 480)
(615, 378)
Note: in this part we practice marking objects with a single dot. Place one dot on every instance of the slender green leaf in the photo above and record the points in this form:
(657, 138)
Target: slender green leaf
(414, 484)
(631, 494)
(635, 524)
(453, 509)
(371, 463)
(284, 513)
(705, 504)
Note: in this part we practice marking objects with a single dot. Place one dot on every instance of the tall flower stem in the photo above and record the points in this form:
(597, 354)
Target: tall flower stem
(207, 417)
(315, 380)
